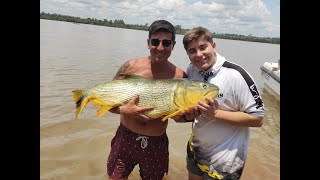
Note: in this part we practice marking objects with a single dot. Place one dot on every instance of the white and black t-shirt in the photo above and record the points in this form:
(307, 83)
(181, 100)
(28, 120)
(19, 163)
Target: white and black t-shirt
(219, 144)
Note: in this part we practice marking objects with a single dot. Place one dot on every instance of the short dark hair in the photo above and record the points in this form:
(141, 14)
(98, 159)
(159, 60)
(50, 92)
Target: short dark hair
(162, 25)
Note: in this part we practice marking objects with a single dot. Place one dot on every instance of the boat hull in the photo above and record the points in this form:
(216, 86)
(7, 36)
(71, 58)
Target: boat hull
(271, 77)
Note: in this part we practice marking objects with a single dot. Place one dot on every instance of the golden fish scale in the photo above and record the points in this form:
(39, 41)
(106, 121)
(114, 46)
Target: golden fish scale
(158, 94)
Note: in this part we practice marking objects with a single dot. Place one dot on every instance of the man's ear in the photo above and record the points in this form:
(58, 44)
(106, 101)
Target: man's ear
(213, 44)
(173, 43)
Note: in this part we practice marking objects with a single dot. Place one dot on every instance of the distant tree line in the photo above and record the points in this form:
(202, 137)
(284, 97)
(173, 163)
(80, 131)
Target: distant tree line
(121, 24)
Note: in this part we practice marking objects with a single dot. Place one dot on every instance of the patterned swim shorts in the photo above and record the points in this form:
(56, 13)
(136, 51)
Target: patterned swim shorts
(129, 149)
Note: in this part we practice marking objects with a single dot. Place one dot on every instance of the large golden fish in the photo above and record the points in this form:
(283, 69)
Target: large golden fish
(168, 97)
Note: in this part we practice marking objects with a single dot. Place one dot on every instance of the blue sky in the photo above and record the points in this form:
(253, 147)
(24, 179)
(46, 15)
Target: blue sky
(256, 17)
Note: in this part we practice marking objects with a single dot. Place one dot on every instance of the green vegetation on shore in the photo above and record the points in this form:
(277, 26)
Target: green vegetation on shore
(121, 24)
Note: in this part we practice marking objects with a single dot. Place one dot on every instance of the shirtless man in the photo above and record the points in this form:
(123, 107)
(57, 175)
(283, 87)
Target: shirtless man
(139, 139)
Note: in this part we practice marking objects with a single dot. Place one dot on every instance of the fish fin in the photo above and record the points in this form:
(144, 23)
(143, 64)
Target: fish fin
(128, 75)
(173, 114)
(104, 107)
(103, 110)
(80, 99)
(96, 102)
(77, 95)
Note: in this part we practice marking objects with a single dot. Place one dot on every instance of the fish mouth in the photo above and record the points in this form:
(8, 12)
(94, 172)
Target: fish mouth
(211, 94)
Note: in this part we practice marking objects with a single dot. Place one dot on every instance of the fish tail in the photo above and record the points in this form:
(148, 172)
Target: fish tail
(80, 99)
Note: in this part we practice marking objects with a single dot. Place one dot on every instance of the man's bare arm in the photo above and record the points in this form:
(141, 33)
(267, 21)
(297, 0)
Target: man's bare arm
(122, 69)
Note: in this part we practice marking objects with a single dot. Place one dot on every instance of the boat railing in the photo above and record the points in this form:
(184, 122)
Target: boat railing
(270, 73)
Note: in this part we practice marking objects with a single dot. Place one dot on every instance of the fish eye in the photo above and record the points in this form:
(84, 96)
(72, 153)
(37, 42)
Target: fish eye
(204, 86)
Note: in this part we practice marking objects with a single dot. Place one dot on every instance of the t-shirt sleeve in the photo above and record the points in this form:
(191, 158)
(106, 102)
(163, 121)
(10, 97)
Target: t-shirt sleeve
(248, 97)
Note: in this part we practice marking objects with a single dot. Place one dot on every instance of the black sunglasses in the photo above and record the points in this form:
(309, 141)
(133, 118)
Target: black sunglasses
(165, 42)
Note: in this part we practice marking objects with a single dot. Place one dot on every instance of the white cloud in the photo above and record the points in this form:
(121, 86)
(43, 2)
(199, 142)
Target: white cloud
(223, 16)
(170, 4)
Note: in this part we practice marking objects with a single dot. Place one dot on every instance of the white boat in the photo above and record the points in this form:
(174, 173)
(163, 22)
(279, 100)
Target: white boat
(270, 74)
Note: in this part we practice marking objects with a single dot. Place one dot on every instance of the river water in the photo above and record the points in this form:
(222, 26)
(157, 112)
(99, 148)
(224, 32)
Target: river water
(81, 56)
